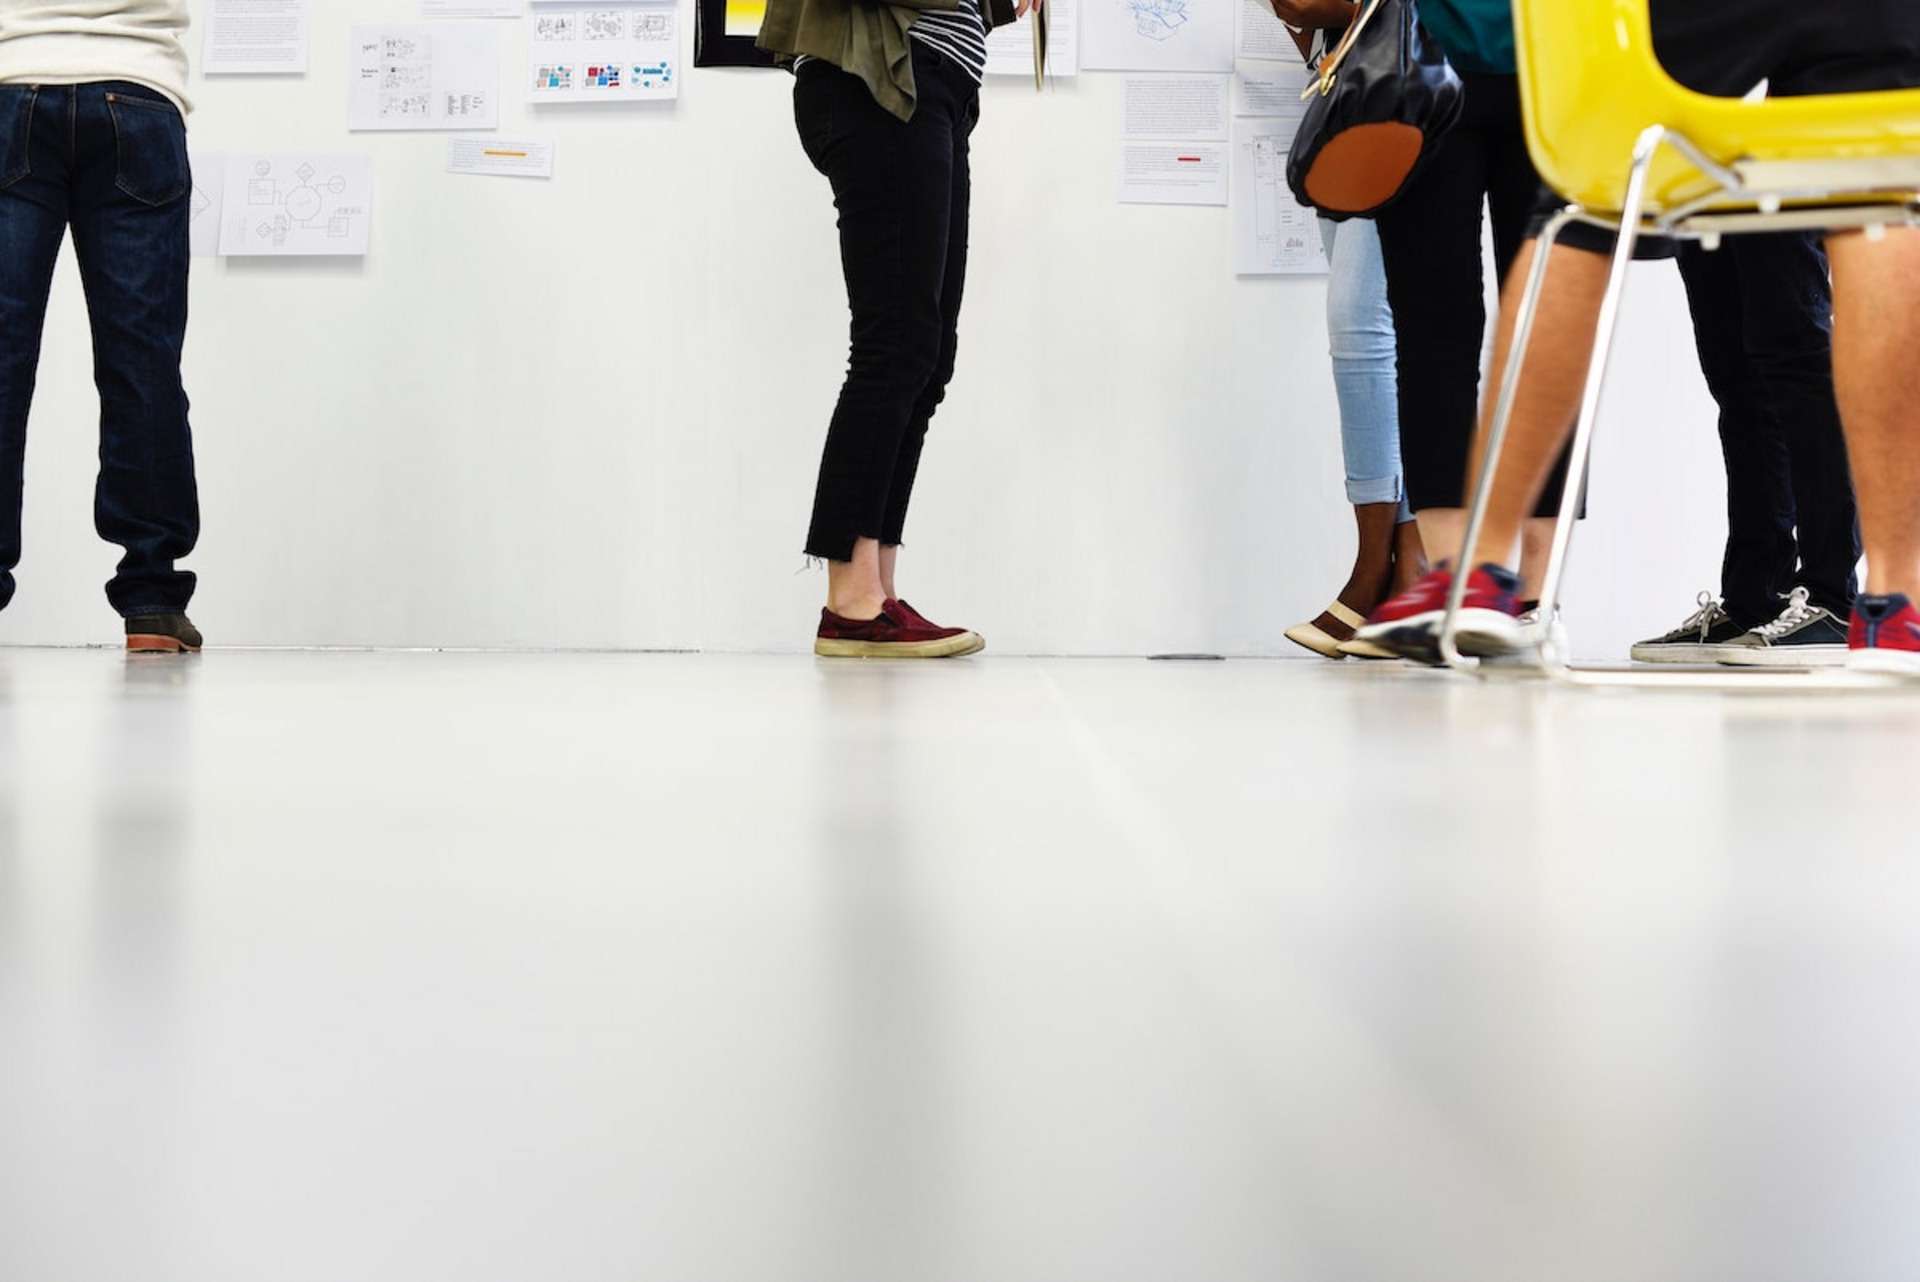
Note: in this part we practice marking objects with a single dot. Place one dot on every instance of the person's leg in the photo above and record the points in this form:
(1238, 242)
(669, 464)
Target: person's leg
(1876, 330)
(1757, 567)
(130, 214)
(1360, 346)
(952, 99)
(1547, 399)
(1788, 331)
(892, 187)
(1430, 247)
(33, 220)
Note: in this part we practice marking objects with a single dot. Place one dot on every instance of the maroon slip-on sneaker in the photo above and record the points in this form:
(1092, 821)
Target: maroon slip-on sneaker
(923, 621)
(890, 635)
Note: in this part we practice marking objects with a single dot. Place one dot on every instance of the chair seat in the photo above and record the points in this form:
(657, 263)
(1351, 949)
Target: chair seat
(1590, 84)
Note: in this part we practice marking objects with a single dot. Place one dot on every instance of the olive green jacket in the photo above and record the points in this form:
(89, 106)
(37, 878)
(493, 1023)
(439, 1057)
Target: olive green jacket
(863, 37)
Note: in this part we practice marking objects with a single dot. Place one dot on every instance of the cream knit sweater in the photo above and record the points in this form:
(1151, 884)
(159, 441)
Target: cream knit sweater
(66, 42)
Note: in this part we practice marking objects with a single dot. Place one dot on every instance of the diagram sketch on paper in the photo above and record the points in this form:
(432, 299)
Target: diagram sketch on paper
(1273, 234)
(296, 205)
(1283, 228)
(605, 55)
(605, 24)
(425, 77)
(209, 169)
(1157, 19)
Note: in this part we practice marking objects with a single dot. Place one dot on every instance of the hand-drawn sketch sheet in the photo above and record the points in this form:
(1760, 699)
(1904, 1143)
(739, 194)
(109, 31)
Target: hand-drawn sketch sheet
(603, 53)
(425, 76)
(209, 169)
(1273, 234)
(296, 204)
(1157, 35)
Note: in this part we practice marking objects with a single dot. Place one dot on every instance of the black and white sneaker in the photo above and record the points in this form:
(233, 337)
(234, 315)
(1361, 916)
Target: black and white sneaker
(1804, 636)
(1701, 639)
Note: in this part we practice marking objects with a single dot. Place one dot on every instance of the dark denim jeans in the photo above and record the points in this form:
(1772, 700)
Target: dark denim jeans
(109, 161)
(1763, 322)
(901, 189)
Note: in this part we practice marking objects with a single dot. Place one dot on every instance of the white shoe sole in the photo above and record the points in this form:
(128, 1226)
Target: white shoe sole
(1898, 663)
(1784, 656)
(946, 648)
(1481, 634)
(1680, 652)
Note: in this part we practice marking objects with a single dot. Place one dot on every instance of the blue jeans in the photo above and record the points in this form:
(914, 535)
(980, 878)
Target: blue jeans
(1360, 340)
(109, 161)
(902, 191)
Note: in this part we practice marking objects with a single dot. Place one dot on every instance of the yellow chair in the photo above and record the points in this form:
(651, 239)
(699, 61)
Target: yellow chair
(1633, 150)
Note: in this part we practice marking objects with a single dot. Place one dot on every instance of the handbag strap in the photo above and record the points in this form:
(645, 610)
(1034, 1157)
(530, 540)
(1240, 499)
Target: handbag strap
(1330, 64)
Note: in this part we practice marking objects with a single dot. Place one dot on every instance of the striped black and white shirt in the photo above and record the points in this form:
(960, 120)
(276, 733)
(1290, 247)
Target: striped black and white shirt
(960, 34)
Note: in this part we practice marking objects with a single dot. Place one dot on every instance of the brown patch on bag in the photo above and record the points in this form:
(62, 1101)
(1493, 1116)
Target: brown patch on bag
(1363, 166)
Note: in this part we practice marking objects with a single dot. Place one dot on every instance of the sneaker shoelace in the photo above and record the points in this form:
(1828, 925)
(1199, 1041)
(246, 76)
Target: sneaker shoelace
(1703, 619)
(1797, 613)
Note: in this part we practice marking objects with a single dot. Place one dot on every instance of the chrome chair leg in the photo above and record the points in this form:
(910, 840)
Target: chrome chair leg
(1580, 454)
(1497, 433)
(1581, 449)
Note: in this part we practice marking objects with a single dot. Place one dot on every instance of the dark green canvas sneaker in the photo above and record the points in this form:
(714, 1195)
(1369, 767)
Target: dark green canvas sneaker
(169, 633)
(1804, 636)
(1701, 638)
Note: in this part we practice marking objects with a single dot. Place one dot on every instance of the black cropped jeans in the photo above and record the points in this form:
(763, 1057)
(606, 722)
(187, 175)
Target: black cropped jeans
(901, 189)
(1436, 283)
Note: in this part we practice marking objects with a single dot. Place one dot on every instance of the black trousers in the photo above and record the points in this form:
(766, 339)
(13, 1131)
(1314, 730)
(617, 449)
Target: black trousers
(1436, 283)
(901, 189)
(1763, 322)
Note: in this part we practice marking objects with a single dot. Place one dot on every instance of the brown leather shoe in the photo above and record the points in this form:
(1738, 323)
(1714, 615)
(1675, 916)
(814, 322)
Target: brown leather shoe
(167, 633)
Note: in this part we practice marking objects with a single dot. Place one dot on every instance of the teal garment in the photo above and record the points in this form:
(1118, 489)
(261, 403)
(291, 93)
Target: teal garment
(1477, 34)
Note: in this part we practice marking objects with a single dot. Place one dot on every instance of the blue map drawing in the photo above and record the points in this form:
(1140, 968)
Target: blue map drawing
(1158, 19)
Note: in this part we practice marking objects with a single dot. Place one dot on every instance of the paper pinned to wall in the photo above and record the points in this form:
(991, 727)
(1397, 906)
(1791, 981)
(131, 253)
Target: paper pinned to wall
(1010, 48)
(1269, 90)
(1175, 108)
(603, 53)
(1259, 34)
(1153, 173)
(209, 169)
(296, 204)
(1273, 234)
(490, 154)
(1157, 35)
(439, 76)
(254, 37)
(470, 8)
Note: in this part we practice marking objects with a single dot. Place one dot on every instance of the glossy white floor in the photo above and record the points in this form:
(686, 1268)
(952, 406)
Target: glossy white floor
(357, 967)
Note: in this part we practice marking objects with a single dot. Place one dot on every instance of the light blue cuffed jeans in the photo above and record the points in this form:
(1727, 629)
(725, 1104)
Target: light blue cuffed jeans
(1360, 340)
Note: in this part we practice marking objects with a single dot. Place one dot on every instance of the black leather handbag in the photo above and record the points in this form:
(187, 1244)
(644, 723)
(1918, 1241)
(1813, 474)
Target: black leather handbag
(1382, 98)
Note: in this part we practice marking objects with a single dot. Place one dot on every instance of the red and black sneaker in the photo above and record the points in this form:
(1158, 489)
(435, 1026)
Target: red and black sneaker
(895, 633)
(1884, 636)
(920, 620)
(1409, 624)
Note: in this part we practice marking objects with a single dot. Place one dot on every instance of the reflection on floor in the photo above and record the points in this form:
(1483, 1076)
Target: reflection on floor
(356, 966)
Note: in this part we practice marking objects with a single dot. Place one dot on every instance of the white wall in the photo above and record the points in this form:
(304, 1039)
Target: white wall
(586, 412)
